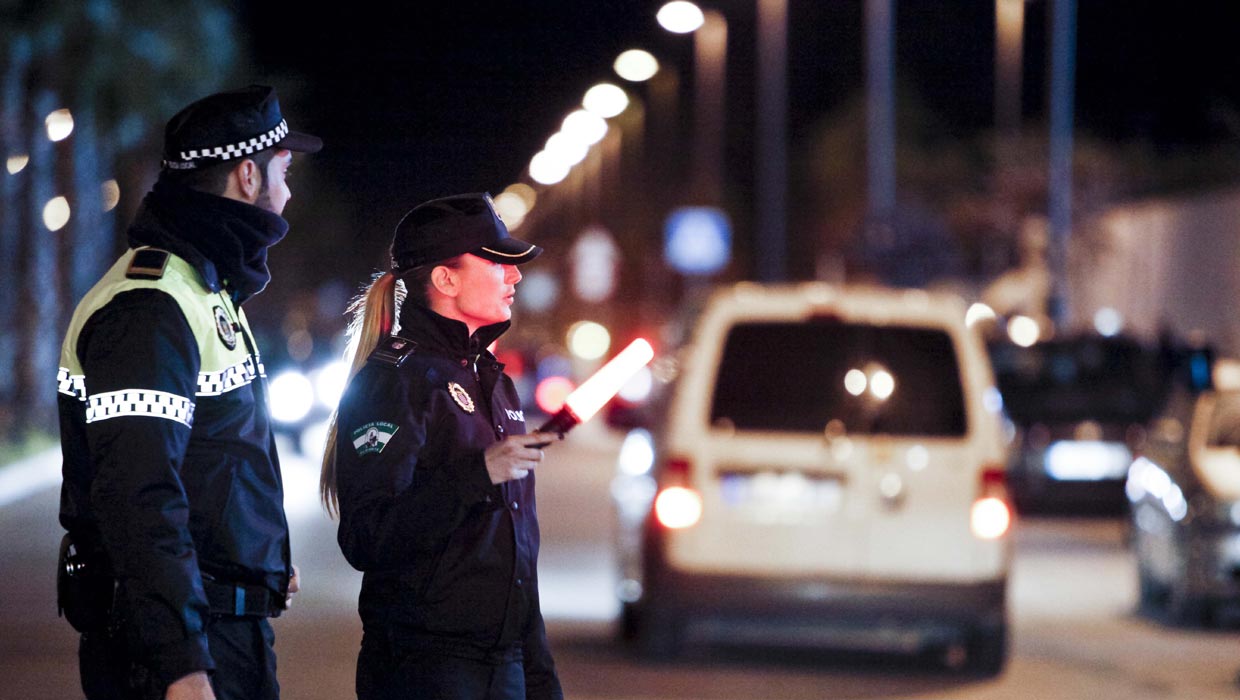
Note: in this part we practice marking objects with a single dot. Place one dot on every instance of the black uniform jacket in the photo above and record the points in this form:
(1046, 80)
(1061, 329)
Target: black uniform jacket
(449, 559)
(170, 464)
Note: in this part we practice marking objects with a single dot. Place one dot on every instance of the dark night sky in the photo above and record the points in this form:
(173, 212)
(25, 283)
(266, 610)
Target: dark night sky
(422, 99)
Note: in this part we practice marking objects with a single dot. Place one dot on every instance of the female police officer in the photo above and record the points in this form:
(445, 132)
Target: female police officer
(431, 471)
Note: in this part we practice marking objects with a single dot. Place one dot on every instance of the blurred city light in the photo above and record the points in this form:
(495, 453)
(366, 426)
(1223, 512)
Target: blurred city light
(550, 393)
(588, 340)
(566, 149)
(59, 125)
(511, 208)
(680, 17)
(977, 313)
(525, 192)
(56, 213)
(1108, 321)
(636, 453)
(16, 164)
(547, 169)
(330, 381)
(1023, 331)
(595, 260)
(605, 100)
(292, 396)
(855, 382)
(538, 291)
(697, 240)
(583, 126)
(111, 194)
(636, 65)
(882, 384)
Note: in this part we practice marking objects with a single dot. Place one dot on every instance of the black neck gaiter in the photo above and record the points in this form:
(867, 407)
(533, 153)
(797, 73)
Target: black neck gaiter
(226, 240)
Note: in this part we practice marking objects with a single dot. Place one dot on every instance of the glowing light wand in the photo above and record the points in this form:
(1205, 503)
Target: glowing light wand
(587, 399)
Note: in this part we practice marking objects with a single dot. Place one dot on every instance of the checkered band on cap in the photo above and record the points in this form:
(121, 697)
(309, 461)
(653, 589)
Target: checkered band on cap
(234, 150)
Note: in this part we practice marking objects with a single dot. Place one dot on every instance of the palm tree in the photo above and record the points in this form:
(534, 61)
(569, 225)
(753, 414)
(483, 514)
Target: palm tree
(121, 67)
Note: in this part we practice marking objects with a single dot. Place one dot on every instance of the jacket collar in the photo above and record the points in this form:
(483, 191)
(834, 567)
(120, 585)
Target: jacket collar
(445, 335)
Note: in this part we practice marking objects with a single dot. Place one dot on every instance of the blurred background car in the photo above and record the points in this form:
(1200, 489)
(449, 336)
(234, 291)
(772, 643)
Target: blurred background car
(1079, 405)
(822, 467)
(1184, 491)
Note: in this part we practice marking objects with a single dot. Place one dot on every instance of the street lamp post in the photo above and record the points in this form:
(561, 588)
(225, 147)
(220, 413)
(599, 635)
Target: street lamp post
(710, 47)
(1059, 206)
(772, 156)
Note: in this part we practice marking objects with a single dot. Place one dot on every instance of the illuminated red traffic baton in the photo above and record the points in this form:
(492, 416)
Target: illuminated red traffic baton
(587, 399)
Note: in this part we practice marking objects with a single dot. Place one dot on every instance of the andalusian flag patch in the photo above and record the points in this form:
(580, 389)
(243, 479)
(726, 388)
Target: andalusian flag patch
(373, 437)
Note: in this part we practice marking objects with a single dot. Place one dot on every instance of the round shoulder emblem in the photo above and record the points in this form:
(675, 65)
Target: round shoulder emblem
(224, 328)
(461, 397)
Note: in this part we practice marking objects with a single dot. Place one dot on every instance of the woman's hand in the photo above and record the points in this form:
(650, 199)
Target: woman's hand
(514, 458)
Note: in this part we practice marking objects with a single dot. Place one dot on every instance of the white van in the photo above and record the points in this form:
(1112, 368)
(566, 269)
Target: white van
(826, 469)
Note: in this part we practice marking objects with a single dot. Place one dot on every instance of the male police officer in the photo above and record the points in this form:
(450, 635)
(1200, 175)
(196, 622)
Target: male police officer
(172, 492)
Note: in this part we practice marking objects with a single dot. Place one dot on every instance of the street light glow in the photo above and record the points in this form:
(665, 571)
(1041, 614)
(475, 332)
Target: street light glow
(525, 192)
(16, 164)
(586, 127)
(511, 208)
(566, 148)
(588, 340)
(1024, 331)
(636, 65)
(59, 125)
(605, 100)
(56, 213)
(680, 17)
(111, 194)
(547, 169)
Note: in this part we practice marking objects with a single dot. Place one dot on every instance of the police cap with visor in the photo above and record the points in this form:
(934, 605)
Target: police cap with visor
(230, 125)
(444, 228)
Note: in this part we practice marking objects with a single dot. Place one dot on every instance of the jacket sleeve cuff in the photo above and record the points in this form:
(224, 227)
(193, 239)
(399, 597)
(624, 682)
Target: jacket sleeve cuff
(172, 662)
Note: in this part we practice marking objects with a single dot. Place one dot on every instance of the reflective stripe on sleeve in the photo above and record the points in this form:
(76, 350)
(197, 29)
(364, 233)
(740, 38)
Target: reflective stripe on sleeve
(227, 379)
(139, 402)
(71, 384)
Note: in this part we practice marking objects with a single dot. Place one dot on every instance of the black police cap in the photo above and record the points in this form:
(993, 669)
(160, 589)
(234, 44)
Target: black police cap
(445, 228)
(228, 125)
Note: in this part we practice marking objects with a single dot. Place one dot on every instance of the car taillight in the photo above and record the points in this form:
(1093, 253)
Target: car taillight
(677, 507)
(991, 515)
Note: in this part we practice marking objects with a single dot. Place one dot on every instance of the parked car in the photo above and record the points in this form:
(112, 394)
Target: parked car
(1184, 491)
(1080, 405)
(824, 466)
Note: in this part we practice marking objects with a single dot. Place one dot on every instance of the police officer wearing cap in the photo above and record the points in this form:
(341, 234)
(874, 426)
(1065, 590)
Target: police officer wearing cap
(177, 550)
(432, 473)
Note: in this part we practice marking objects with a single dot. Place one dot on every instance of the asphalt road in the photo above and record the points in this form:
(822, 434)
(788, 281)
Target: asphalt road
(1072, 592)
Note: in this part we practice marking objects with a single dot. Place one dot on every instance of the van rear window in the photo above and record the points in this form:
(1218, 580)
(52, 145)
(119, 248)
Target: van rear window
(800, 376)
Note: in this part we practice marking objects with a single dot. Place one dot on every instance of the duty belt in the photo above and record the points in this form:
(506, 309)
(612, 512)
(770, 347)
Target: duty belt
(241, 600)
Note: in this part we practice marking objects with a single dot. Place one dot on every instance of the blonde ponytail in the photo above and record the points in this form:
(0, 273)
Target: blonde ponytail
(374, 317)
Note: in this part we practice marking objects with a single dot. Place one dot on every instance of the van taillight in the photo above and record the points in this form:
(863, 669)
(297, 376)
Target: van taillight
(991, 515)
(677, 469)
(677, 505)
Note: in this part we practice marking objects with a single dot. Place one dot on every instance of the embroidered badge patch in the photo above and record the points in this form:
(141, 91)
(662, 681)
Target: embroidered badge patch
(224, 327)
(373, 437)
(461, 397)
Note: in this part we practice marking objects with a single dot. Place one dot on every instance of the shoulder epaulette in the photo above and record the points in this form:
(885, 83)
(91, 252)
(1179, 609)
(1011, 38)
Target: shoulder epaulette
(147, 264)
(393, 351)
